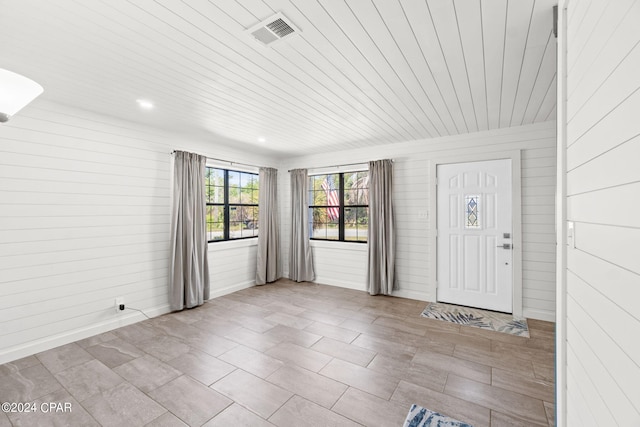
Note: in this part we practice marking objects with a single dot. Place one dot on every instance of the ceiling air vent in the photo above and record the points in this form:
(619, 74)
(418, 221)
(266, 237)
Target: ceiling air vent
(273, 30)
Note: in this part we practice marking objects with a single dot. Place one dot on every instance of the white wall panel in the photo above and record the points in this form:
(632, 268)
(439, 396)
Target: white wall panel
(345, 264)
(603, 268)
(84, 218)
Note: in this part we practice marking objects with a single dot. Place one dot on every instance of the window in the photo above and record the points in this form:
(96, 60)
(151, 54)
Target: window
(339, 206)
(232, 204)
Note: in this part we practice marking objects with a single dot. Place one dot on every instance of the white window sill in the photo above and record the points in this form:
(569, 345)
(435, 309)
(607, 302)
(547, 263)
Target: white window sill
(232, 244)
(343, 246)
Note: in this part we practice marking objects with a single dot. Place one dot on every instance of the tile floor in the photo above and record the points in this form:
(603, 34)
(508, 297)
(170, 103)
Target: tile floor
(289, 354)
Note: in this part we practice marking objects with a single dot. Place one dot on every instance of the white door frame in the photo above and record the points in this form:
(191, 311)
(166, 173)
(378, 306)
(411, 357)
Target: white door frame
(516, 184)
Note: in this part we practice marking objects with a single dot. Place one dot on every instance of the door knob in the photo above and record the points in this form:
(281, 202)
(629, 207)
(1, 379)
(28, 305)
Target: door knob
(504, 246)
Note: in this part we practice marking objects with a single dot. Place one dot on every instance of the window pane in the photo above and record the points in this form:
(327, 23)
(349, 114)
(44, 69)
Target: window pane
(356, 188)
(356, 229)
(235, 214)
(325, 206)
(214, 185)
(234, 187)
(250, 222)
(215, 223)
(235, 230)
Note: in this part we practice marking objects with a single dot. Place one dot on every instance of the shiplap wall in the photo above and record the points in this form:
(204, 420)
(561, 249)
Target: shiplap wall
(603, 188)
(344, 264)
(84, 218)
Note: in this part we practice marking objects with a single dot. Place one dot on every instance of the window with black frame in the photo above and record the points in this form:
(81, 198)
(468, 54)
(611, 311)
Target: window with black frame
(339, 206)
(232, 204)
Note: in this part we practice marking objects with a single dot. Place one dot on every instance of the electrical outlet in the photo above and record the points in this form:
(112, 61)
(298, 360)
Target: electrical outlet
(119, 302)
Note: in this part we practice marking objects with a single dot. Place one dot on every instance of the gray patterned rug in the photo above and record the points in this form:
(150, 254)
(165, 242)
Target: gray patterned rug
(422, 417)
(490, 320)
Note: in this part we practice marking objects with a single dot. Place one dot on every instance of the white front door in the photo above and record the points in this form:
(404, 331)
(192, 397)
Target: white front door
(474, 247)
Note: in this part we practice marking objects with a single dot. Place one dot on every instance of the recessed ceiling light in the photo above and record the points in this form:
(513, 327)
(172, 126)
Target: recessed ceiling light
(262, 139)
(144, 104)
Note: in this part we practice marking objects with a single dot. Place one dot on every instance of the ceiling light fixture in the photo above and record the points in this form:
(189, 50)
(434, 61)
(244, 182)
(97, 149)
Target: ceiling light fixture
(262, 139)
(144, 104)
(16, 92)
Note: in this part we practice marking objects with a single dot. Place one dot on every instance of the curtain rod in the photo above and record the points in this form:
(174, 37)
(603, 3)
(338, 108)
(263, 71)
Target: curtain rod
(225, 161)
(338, 166)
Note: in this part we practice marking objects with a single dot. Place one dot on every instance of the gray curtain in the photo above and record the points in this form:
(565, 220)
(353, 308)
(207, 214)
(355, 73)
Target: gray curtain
(381, 236)
(300, 258)
(268, 263)
(189, 271)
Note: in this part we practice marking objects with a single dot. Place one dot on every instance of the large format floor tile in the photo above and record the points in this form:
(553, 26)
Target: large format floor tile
(252, 392)
(289, 354)
(190, 401)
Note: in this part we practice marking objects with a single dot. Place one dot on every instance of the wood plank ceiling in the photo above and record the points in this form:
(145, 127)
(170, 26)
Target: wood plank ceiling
(360, 72)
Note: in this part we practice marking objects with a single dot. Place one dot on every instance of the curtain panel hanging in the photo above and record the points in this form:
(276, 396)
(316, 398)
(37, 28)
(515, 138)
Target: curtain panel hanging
(381, 232)
(300, 256)
(189, 268)
(269, 265)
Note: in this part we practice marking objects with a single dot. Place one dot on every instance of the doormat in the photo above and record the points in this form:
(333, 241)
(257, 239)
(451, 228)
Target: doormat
(422, 417)
(484, 319)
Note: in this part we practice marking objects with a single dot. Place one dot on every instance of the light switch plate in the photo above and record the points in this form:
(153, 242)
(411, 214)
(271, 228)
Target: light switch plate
(571, 234)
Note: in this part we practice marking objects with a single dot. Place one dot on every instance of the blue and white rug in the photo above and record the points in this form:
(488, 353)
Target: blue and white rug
(485, 319)
(422, 417)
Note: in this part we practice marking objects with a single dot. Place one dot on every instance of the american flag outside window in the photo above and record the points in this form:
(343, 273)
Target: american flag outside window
(333, 211)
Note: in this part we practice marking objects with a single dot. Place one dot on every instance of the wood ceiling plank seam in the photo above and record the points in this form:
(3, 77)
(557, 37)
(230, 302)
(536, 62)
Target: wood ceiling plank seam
(399, 127)
(466, 68)
(385, 55)
(484, 67)
(549, 99)
(549, 41)
(240, 110)
(267, 98)
(321, 117)
(347, 130)
(362, 105)
(515, 43)
(493, 37)
(395, 72)
(541, 86)
(267, 61)
(435, 83)
(432, 57)
(524, 51)
(552, 114)
(365, 80)
(376, 78)
(270, 100)
(394, 33)
(288, 57)
(356, 108)
(364, 37)
(504, 50)
(470, 54)
(455, 90)
(619, 32)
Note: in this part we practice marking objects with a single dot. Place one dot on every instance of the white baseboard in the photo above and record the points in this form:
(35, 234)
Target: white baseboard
(341, 284)
(532, 313)
(416, 295)
(215, 293)
(47, 343)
